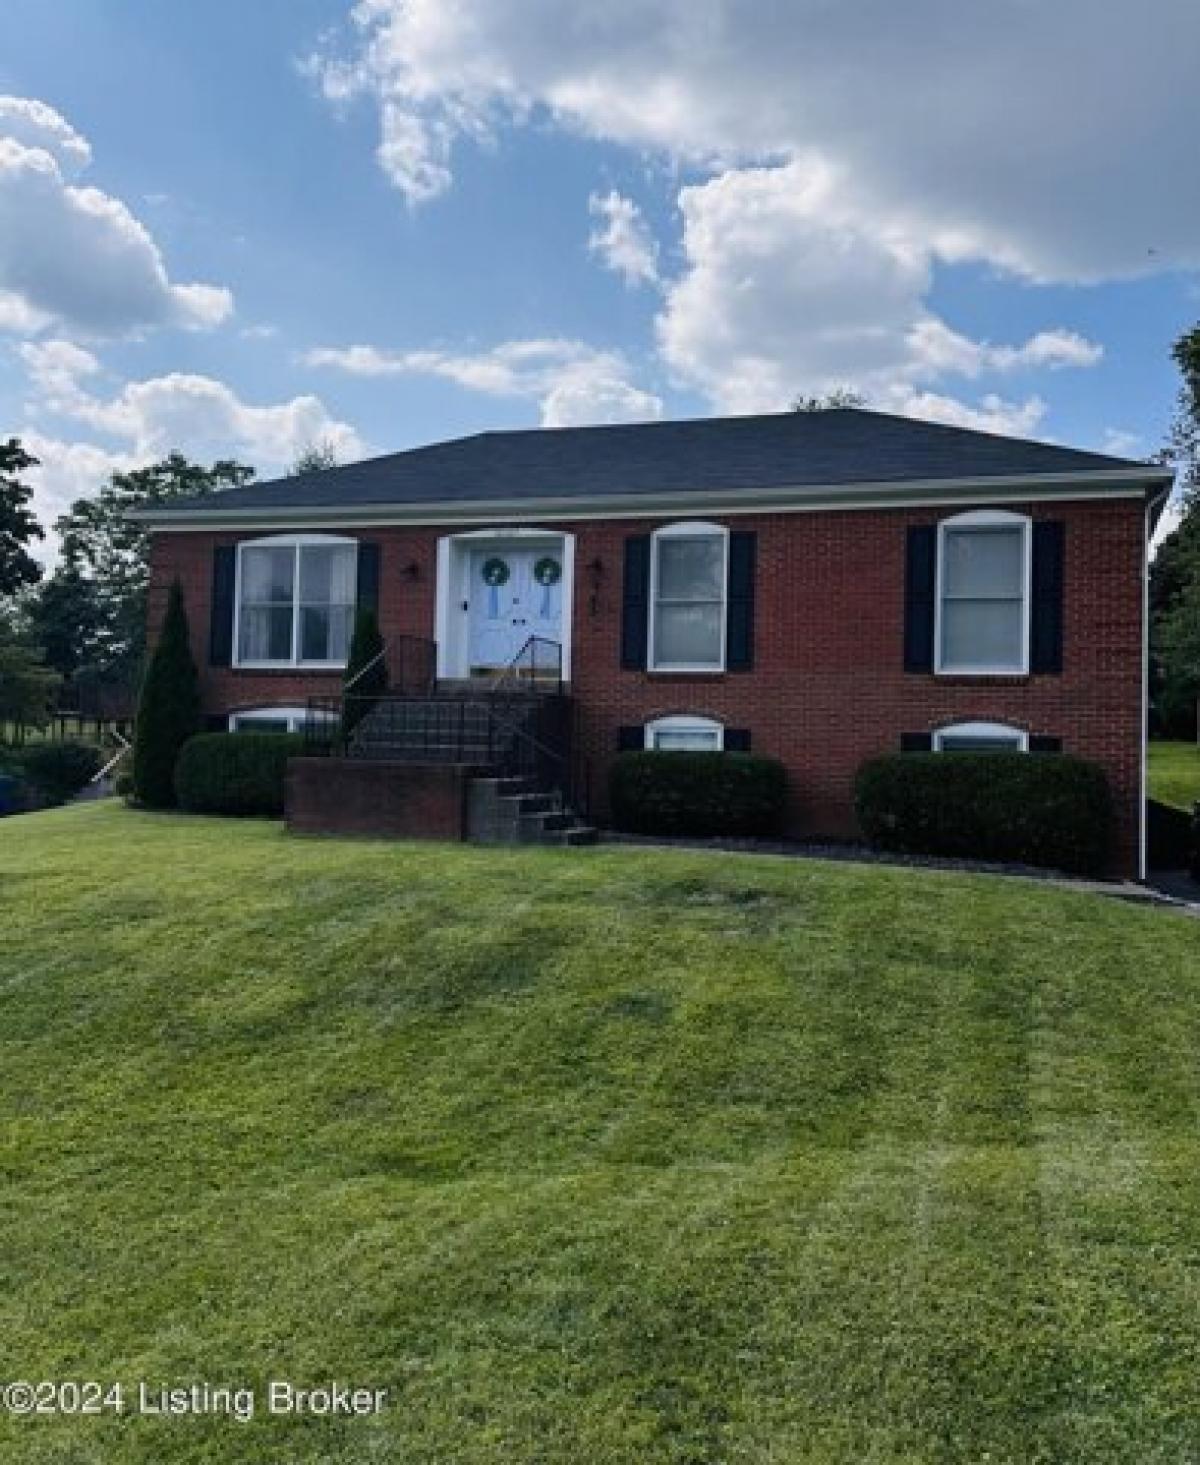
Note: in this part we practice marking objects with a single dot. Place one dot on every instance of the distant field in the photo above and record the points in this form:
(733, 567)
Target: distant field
(592, 1156)
(1174, 772)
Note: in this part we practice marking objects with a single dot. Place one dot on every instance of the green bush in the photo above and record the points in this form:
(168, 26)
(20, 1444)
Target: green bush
(168, 709)
(235, 773)
(56, 772)
(697, 793)
(1035, 809)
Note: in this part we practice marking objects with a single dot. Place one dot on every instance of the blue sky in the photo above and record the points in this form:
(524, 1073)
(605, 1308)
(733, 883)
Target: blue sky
(413, 221)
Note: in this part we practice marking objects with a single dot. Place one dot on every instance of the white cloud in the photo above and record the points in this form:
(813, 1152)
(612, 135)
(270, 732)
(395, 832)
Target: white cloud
(572, 382)
(66, 471)
(1120, 443)
(198, 415)
(986, 132)
(74, 255)
(623, 240)
(784, 292)
(33, 124)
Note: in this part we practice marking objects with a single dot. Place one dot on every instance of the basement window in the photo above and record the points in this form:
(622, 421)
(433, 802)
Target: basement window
(980, 737)
(685, 735)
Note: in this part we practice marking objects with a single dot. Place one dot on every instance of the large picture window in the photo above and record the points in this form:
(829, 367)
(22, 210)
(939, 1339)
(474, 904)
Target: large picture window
(983, 594)
(295, 603)
(688, 574)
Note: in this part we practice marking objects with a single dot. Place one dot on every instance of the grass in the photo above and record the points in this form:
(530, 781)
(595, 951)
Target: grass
(592, 1156)
(1174, 774)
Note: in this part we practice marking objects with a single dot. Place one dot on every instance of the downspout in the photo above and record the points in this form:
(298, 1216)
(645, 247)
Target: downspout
(1154, 507)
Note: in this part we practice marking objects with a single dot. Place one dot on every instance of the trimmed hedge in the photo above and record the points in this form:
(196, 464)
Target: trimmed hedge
(56, 772)
(697, 793)
(235, 773)
(1037, 809)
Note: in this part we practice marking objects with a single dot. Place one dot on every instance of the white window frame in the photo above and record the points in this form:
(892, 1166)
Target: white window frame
(984, 519)
(294, 542)
(694, 529)
(686, 723)
(295, 717)
(982, 730)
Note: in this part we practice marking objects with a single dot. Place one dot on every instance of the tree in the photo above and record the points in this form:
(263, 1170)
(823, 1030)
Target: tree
(66, 619)
(104, 546)
(1175, 571)
(824, 402)
(366, 670)
(169, 709)
(18, 525)
(314, 458)
(27, 687)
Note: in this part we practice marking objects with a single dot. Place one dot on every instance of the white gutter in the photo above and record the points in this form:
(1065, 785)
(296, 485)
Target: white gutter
(788, 498)
(1153, 506)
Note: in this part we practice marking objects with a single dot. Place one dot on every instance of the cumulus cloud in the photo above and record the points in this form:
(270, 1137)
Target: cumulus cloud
(622, 238)
(74, 255)
(196, 414)
(784, 291)
(573, 383)
(67, 471)
(963, 124)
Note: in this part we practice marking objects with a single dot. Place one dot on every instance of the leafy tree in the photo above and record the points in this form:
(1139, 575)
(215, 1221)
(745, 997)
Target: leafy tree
(27, 687)
(1175, 572)
(314, 458)
(18, 525)
(104, 546)
(822, 402)
(65, 618)
(366, 669)
(169, 710)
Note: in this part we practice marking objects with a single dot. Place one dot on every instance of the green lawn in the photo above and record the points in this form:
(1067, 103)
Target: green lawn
(592, 1156)
(1174, 774)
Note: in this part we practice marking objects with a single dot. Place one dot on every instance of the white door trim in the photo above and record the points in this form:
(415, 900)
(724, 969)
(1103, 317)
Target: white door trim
(450, 621)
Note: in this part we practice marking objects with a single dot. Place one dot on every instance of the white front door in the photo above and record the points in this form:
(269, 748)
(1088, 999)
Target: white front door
(515, 593)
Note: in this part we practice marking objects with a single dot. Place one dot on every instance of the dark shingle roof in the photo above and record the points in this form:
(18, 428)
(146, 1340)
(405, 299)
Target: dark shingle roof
(840, 446)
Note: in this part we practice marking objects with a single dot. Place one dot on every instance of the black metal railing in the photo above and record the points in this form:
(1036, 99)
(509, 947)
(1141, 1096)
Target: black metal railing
(501, 729)
(407, 665)
(537, 667)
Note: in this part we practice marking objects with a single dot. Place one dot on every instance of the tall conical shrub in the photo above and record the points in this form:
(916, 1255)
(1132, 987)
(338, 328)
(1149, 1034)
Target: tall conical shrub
(168, 709)
(366, 669)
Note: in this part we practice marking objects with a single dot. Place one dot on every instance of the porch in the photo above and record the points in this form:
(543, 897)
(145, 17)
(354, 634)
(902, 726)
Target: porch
(405, 753)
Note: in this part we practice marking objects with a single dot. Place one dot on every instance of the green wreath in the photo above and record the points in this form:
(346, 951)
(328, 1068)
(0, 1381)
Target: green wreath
(547, 571)
(495, 572)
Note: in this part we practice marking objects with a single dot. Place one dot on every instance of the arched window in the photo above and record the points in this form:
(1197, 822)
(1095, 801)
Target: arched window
(275, 719)
(295, 600)
(685, 734)
(689, 573)
(982, 616)
(980, 737)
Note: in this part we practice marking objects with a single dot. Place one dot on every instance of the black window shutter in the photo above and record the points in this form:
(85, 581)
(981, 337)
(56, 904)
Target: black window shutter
(635, 603)
(739, 630)
(737, 739)
(368, 576)
(1046, 612)
(1041, 744)
(916, 742)
(631, 739)
(920, 577)
(220, 624)
(216, 722)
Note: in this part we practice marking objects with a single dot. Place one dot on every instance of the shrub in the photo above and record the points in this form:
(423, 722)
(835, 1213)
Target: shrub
(366, 668)
(168, 710)
(235, 773)
(697, 793)
(57, 771)
(1034, 809)
(12, 794)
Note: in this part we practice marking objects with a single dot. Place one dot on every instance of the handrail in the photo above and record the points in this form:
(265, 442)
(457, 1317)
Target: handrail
(112, 762)
(363, 670)
(511, 672)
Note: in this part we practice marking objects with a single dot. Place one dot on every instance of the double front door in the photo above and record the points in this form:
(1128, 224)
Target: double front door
(515, 593)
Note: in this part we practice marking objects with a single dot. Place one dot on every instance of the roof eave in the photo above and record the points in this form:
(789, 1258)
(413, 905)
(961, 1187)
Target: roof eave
(1102, 483)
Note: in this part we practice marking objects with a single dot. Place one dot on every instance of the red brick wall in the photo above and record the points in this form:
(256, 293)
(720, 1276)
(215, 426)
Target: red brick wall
(828, 687)
(362, 796)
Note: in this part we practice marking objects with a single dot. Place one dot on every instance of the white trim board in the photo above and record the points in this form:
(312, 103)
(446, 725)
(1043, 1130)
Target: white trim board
(1122, 483)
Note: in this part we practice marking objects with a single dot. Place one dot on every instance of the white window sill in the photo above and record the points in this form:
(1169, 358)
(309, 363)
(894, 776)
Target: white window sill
(683, 671)
(982, 671)
(319, 666)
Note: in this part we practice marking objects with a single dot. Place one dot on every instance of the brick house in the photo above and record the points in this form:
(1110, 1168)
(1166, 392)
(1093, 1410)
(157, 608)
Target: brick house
(819, 587)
